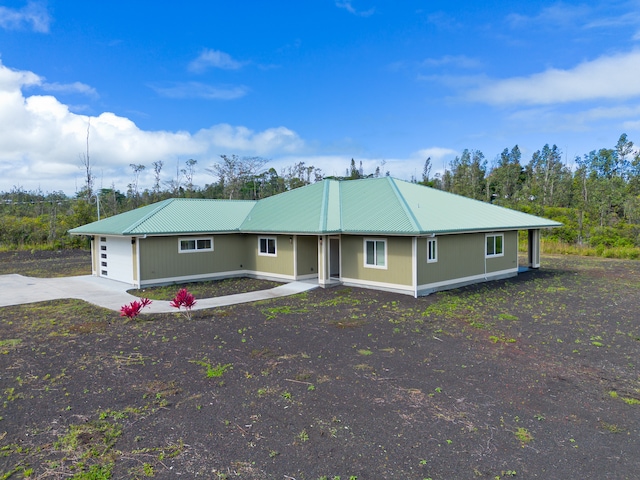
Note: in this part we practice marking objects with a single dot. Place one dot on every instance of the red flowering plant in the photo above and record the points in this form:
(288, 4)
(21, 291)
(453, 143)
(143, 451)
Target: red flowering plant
(132, 310)
(184, 299)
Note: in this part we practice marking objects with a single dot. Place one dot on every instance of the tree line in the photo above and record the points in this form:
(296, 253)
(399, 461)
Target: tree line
(596, 196)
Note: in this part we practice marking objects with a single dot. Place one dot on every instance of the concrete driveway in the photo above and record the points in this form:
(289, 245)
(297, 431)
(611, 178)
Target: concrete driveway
(18, 290)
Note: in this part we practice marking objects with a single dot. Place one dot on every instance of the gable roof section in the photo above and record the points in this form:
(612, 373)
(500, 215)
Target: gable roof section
(174, 216)
(376, 206)
(437, 211)
(297, 211)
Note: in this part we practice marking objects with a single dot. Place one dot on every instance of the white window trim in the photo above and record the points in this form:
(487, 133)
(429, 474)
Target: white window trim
(495, 235)
(435, 250)
(267, 254)
(367, 265)
(194, 250)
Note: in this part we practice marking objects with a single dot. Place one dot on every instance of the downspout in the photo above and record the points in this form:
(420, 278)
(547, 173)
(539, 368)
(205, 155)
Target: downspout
(485, 257)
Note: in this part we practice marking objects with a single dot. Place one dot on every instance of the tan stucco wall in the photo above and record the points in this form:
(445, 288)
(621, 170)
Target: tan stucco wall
(281, 264)
(398, 271)
(307, 255)
(463, 255)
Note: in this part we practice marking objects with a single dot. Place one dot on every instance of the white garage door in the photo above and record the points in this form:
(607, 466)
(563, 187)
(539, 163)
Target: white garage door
(116, 259)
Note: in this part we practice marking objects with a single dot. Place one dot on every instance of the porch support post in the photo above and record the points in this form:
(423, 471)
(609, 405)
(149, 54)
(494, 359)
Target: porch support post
(294, 244)
(323, 260)
(534, 248)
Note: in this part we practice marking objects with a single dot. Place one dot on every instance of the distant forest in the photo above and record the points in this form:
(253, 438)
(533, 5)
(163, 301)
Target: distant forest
(596, 196)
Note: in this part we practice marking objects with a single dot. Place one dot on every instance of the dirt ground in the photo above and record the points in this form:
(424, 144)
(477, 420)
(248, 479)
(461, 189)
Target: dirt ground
(533, 377)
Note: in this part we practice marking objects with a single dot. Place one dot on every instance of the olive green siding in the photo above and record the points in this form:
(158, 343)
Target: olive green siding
(280, 264)
(160, 259)
(510, 258)
(461, 256)
(399, 256)
(307, 255)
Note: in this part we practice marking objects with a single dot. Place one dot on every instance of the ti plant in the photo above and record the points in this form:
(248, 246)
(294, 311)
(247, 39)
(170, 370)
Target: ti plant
(132, 310)
(184, 299)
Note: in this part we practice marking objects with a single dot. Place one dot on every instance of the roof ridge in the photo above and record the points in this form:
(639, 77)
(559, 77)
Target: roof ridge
(340, 206)
(162, 205)
(324, 207)
(403, 202)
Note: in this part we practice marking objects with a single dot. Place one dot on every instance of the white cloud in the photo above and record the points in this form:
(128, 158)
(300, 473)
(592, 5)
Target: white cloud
(34, 15)
(214, 59)
(347, 5)
(75, 87)
(552, 16)
(41, 142)
(437, 154)
(607, 77)
(201, 90)
(460, 61)
(632, 125)
(243, 139)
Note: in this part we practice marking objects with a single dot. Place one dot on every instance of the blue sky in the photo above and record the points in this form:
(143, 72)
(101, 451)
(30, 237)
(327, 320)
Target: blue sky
(384, 82)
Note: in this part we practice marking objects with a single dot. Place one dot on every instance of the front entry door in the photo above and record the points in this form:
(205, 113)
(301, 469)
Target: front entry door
(334, 257)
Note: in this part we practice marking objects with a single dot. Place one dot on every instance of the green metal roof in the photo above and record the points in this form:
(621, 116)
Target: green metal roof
(296, 211)
(173, 216)
(368, 206)
(442, 212)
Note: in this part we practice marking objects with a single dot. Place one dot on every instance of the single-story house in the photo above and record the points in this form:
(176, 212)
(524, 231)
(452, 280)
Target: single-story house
(379, 233)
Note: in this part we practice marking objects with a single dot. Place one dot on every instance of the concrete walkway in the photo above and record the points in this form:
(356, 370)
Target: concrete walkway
(18, 290)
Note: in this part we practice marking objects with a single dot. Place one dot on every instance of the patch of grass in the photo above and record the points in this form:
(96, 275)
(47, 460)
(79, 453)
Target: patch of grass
(90, 439)
(523, 435)
(10, 343)
(501, 339)
(365, 352)
(95, 472)
(213, 371)
(611, 427)
(273, 312)
(303, 436)
(342, 298)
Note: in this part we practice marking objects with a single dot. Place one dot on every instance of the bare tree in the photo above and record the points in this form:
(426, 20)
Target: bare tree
(157, 168)
(234, 172)
(175, 183)
(134, 186)
(189, 172)
(86, 166)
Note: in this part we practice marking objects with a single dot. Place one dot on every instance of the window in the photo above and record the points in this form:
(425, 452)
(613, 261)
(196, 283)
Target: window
(375, 253)
(267, 246)
(195, 244)
(495, 245)
(432, 250)
(103, 248)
